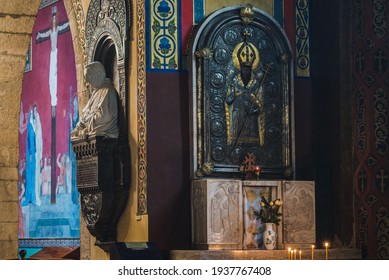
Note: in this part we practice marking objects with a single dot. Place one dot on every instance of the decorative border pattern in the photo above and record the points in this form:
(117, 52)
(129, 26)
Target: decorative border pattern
(379, 18)
(361, 120)
(80, 19)
(381, 133)
(34, 243)
(382, 216)
(370, 116)
(363, 228)
(303, 60)
(141, 114)
(164, 35)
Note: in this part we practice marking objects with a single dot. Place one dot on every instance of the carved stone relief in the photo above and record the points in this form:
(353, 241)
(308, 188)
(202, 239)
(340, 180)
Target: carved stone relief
(217, 214)
(224, 205)
(299, 212)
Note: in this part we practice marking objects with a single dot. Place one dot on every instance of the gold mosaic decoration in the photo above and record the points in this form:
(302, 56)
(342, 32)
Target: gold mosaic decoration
(79, 14)
(142, 147)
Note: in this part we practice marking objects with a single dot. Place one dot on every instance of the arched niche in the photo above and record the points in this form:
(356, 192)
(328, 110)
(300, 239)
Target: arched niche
(106, 51)
(106, 32)
(242, 95)
(104, 163)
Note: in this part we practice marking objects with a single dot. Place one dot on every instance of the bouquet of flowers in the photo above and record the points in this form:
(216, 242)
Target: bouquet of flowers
(269, 211)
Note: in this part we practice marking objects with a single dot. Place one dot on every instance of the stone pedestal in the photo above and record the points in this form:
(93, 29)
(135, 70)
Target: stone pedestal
(222, 213)
(217, 214)
(102, 186)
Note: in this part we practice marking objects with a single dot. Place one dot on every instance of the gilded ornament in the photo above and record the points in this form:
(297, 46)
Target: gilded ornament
(247, 14)
(141, 108)
(206, 169)
(206, 53)
(238, 55)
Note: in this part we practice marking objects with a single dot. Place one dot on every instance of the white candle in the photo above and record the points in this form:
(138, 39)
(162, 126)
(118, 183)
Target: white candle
(313, 251)
(327, 244)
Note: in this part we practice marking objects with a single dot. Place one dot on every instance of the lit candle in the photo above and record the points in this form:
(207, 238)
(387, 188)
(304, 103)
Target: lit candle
(300, 253)
(313, 251)
(326, 244)
(257, 170)
(295, 254)
(289, 253)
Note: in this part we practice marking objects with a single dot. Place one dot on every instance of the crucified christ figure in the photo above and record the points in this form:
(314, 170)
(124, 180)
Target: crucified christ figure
(41, 36)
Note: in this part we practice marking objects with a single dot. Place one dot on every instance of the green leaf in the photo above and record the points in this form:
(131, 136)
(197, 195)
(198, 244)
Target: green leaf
(156, 27)
(157, 63)
(172, 27)
(172, 63)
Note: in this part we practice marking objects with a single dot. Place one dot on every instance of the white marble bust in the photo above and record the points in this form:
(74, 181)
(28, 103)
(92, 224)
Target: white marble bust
(100, 115)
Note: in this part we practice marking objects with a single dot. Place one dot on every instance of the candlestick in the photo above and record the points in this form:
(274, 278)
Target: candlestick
(289, 253)
(300, 253)
(295, 254)
(326, 244)
(313, 251)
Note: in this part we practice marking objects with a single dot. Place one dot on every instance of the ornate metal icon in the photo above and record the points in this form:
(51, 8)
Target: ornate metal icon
(241, 73)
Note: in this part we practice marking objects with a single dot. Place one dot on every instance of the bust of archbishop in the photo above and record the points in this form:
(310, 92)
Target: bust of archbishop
(100, 115)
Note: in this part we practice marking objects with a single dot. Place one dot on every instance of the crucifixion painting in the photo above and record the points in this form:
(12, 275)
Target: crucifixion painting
(48, 198)
(52, 34)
